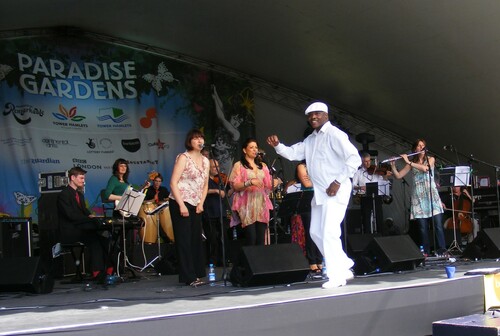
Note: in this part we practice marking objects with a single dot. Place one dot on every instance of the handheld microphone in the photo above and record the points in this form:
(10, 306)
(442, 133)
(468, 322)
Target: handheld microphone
(449, 148)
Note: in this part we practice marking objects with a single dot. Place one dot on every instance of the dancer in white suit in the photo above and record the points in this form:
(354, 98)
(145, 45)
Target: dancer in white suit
(331, 161)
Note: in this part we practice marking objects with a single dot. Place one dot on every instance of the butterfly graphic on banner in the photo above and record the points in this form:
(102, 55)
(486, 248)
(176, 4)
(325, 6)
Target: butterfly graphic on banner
(4, 70)
(163, 76)
(23, 199)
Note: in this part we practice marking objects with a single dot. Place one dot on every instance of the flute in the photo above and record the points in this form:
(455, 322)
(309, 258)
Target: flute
(399, 157)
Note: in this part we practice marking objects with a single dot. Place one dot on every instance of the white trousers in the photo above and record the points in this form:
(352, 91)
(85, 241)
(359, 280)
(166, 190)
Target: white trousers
(325, 232)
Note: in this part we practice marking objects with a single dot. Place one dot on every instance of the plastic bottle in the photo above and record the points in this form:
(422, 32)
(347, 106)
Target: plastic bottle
(211, 274)
(323, 270)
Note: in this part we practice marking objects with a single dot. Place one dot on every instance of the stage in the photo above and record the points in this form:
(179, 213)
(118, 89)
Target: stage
(404, 303)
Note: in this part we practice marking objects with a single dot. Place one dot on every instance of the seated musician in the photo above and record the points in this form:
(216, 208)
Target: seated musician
(366, 174)
(118, 182)
(462, 206)
(77, 224)
(157, 193)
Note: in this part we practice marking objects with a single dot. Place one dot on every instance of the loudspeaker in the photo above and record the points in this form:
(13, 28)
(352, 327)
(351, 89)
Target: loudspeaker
(15, 237)
(357, 243)
(393, 253)
(25, 274)
(269, 265)
(485, 245)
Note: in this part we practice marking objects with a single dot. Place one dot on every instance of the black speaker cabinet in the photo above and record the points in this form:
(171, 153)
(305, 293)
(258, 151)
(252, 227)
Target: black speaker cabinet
(485, 245)
(269, 265)
(25, 274)
(393, 253)
(15, 237)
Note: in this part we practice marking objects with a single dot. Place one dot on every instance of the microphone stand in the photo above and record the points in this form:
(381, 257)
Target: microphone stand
(430, 199)
(273, 195)
(221, 221)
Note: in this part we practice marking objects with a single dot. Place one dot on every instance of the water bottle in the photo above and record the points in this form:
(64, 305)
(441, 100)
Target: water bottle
(323, 270)
(211, 274)
(235, 233)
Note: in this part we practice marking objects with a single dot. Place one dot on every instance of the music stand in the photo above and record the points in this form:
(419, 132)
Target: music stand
(458, 176)
(372, 191)
(155, 212)
(129, 205)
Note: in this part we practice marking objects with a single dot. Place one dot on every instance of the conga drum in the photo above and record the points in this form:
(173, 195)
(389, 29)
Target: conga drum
(166, 224)
(148, 232)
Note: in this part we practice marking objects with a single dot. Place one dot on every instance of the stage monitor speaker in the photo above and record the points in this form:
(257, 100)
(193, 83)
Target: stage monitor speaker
(485, 245)
(269, 265)
(393, 253)
(357, 243)
(25, 274)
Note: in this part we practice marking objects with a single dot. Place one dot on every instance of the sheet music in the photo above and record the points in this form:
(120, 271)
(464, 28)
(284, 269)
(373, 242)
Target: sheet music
(462, 176)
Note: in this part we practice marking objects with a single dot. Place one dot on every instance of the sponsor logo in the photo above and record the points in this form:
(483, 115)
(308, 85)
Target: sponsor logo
(69, 118)
(147, 121)
(131, 145)
(143, 162)
(55, 143)
(115, 115)
(159, 144)
(99, 146)
(83, 163)
(22, 113)
(37, 161)
(16, 141)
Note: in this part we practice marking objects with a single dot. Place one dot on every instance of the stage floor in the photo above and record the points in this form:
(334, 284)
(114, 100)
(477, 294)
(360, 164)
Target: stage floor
(403, 303)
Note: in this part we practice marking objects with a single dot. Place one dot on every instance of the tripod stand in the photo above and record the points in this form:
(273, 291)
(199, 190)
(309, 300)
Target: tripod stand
(454, 177)
(129, 205)
(156, 211)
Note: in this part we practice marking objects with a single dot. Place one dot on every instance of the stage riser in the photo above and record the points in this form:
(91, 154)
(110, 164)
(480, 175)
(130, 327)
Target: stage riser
(477, 325)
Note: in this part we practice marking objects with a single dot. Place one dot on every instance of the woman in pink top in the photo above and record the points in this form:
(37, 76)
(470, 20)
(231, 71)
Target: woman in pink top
(251, 181)
(189, 185)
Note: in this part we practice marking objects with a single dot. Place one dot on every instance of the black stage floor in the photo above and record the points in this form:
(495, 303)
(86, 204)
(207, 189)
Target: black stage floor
(404, 303)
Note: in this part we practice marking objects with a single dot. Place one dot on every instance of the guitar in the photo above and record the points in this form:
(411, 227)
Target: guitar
(151, 176)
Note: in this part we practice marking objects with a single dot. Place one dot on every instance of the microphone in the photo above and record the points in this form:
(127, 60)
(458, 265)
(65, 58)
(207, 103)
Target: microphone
(449, 148)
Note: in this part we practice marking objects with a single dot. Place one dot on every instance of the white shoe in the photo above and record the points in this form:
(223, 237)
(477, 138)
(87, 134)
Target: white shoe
(333, 284)
(349, 275)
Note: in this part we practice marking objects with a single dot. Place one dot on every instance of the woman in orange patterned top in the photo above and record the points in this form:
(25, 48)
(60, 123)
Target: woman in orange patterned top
(189, 185)
(251, 181)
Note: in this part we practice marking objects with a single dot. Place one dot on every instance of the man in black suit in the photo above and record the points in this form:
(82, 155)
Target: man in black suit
(77, 224)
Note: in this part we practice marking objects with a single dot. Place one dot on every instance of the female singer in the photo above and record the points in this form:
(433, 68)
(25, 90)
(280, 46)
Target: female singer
(251, 181)
(425, 201)
(189, 185)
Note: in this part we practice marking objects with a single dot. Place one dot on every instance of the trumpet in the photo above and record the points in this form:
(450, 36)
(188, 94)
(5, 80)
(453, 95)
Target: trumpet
(399, 157)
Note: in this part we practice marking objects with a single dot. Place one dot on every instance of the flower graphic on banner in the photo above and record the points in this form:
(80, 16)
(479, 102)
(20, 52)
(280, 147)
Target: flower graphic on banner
(4, 70)
(163, 76)
(64, 114)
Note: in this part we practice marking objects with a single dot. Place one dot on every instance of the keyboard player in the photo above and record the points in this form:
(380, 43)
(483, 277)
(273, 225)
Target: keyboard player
(77, 224)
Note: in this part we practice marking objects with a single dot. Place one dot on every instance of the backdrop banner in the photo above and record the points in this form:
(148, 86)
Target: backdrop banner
(70, 101)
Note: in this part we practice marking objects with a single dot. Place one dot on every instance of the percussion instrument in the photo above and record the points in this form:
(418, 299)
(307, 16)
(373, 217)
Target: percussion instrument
(149, 232)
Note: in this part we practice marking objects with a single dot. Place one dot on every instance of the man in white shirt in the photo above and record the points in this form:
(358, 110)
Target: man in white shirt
(331, 161)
